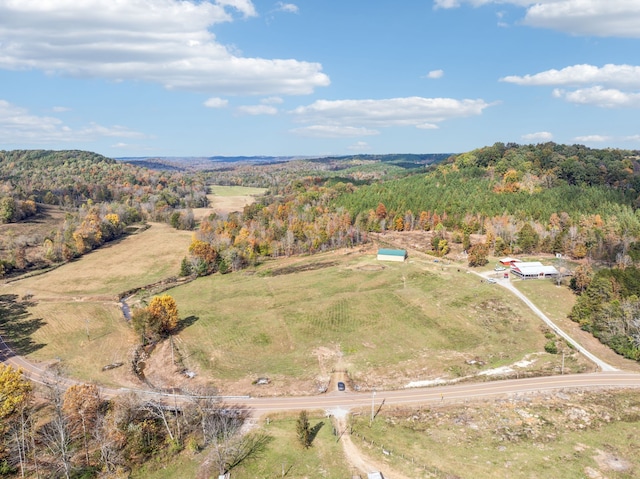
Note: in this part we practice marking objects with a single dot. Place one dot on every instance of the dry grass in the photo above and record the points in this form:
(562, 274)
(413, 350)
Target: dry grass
(131, 262)
(568, 435)
(226, 199)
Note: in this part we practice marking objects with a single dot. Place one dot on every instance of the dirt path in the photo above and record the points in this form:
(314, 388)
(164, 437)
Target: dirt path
(357, 459)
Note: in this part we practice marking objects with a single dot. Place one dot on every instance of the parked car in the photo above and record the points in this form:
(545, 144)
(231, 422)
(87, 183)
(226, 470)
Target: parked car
(499, 268)
(341, 386)
(491, 281)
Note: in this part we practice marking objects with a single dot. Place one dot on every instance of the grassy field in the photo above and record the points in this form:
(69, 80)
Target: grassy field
(134, 261)
(387, 324)
(293, 320)
(226, 199)
(324, 459)
(568, 435)
(236, 191)
(56, 306)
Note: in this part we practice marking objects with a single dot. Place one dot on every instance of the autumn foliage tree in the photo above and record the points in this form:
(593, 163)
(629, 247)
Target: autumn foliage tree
(478, 254)
(158, 319)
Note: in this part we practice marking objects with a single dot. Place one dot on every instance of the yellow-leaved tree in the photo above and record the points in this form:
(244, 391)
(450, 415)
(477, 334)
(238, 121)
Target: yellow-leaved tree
(15, 390)
(164, 312)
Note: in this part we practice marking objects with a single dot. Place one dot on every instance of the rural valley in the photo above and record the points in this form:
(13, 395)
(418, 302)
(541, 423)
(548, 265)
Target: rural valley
(175, 322)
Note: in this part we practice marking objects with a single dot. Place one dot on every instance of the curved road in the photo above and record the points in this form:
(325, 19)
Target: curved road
(609, 377)
(506, 283)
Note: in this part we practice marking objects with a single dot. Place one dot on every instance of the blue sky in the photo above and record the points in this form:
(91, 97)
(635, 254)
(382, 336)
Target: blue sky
(317, 77)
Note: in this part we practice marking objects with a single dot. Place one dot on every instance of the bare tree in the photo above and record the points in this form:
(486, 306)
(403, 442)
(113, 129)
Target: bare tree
(56, 434)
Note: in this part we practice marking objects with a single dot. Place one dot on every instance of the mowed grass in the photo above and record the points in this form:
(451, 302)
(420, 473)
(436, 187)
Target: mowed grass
(388, 319)
(134, 261)
(572, 436)
(63, 339)
(64, 299)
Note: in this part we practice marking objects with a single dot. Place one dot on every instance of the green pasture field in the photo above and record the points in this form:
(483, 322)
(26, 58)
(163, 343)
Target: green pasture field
(391, 322)
(219, 190)
(572, 436)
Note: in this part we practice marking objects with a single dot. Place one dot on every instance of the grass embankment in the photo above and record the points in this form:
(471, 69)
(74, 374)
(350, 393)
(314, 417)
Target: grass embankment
(388, 324)
(568, 435)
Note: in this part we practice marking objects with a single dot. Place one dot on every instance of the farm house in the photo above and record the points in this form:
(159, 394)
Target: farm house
(392, 254)
(533, 270)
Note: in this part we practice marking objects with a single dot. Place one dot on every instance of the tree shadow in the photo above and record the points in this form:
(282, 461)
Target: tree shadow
(313, 432)
(17, 326)
(184, 323)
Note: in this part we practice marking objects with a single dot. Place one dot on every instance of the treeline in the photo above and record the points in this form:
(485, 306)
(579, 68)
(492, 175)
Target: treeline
(100, 197)
(300, 221)
(71, 178)
(73, 432)
(535, 198)
(609, 307)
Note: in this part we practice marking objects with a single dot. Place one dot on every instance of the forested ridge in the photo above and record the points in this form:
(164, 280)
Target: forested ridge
(570, 199)
(98, 195)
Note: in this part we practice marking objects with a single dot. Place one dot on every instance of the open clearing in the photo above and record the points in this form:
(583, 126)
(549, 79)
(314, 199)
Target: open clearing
(226, 199)
(133, 261)
(560, 434)
(50, 313)
(296, 320)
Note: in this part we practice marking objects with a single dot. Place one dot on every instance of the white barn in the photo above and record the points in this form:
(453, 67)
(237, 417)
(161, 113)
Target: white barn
(533, 270)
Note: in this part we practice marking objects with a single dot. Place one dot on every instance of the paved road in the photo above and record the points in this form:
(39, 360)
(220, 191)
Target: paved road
(506, 283)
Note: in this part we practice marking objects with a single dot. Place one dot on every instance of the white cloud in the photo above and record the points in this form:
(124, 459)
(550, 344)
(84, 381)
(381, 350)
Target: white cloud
(333, 131)
(243, 6)
(272, 100)
(538, 136)
(409, 111)
(216, 102)
(610, 86)
(601, 97)
(17, 125)
(427, 126)
(604, 18)
(433, 74)
(592, 139)
(160, 41)
(60, 109)
(624, 76)
(359, 146)
(286, 7)
(632, 138)
(257, 110)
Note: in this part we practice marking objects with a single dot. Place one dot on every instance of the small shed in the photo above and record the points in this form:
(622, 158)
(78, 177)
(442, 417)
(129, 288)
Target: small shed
(534, 270)
(392, 254)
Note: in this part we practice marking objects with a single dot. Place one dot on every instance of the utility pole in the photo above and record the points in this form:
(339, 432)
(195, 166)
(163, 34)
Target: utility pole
(373, 399)
(86, 321)
(562, 372)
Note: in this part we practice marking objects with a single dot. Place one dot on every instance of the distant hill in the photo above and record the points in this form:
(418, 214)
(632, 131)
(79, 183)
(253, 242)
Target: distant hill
(408, 160)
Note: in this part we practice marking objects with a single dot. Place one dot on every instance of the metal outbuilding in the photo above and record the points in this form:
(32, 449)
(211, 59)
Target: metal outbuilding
(385, 254)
